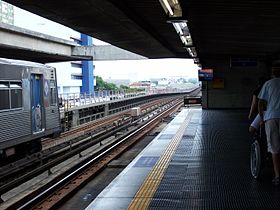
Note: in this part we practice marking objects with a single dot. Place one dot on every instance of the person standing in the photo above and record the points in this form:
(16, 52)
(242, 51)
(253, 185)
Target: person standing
(254, 104)
(253, 114)
(269, 97)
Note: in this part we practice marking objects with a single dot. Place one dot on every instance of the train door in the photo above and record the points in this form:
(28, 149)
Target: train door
(37, 103)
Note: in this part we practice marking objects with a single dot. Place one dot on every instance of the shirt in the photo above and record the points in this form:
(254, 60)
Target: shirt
(270, 92)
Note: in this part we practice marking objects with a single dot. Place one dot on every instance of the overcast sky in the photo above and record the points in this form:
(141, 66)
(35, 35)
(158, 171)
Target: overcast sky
(145, 69)
(131, 69)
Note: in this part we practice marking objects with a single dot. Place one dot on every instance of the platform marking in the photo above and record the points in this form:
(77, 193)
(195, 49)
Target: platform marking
(143, 197)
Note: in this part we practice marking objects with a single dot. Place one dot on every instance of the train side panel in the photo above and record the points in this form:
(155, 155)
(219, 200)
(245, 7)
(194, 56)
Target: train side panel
(15, 128)
(51, 102)
(28, 106)
(14, 119)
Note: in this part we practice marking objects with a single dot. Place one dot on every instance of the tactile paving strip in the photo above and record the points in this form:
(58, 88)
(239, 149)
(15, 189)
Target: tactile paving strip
(144, 195)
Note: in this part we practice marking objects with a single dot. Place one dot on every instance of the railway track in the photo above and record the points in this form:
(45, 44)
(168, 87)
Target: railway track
(73, 144)
(57, 191)
(100, 123)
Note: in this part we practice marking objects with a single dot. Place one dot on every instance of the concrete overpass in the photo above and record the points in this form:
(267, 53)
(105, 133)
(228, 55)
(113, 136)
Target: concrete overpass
(19, 43)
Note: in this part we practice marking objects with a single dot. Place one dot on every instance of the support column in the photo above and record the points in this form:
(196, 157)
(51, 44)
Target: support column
(75, 120)
(87, 69)
(106, 110)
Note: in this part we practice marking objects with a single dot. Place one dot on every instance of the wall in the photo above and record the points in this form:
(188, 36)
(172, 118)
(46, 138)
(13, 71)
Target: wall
(239, 83)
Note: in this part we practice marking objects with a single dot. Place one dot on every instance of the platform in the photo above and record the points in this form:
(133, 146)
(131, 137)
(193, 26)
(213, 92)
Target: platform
(201, 160)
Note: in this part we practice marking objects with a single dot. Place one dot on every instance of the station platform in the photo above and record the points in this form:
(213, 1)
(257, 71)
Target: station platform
(201, 160)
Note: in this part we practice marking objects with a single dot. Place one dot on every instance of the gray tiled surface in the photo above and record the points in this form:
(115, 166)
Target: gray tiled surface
(209, 170)
(121, 191)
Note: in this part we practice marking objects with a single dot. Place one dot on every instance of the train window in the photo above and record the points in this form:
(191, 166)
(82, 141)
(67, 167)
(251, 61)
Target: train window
(10, 95)
(16, 98)
(16, 94)
(4, 99)
(53, 97)
(4, 85)
(15, 85)
(4, 95)
(53, 93)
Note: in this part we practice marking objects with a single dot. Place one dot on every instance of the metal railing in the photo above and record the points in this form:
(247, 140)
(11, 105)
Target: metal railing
(71, 100)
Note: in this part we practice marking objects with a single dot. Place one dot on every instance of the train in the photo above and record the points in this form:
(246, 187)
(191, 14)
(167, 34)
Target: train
(29, 108)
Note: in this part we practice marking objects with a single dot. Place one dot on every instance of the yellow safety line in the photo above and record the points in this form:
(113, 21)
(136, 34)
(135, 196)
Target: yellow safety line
(146, 192)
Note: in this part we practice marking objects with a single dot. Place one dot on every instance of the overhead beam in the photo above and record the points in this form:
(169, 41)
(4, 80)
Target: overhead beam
(105, 52)
(19, 43)
(46, 47)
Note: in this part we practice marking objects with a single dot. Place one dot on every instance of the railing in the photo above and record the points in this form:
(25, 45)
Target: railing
(71, 100)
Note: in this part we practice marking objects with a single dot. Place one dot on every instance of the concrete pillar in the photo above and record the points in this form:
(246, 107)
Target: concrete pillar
(75, 121)
(87, 69)
(106, 110)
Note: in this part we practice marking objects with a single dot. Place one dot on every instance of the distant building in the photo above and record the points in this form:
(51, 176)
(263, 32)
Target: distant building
(141, 84)
(6, 13)
(163, 82)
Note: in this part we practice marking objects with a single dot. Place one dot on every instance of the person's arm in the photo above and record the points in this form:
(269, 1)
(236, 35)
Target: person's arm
(254, 107)
(261, 106)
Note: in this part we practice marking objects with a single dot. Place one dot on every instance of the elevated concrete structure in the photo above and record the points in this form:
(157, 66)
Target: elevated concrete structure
(106, 52)
(19, 43)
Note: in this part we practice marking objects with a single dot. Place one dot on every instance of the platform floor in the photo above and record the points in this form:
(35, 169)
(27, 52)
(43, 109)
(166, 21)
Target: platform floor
(201, 160)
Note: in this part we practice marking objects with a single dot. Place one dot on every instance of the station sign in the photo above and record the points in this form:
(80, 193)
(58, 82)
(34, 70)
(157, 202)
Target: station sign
(205, 74)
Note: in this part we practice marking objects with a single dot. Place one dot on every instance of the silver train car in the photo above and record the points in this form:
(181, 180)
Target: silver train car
(28, 107)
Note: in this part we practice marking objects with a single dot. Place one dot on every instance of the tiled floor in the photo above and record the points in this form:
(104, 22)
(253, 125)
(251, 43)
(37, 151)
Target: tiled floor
(210, 169)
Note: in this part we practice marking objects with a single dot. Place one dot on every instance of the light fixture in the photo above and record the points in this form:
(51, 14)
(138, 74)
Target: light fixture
(168, 7)
(174, 12)
(196, 60)
(184, 33)
(178, 28)
(184, 40)
(171, 7)
(192, 51)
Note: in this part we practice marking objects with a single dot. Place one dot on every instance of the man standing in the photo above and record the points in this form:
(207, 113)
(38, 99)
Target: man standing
(269, 96)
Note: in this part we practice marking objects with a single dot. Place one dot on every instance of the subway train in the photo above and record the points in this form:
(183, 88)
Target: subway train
(28, 107)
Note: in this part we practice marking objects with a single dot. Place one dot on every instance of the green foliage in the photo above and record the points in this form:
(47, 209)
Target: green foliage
(130, 90)
(102, 85)
(124, 87)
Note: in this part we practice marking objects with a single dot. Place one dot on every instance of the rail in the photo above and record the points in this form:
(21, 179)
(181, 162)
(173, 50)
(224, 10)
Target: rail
(86, 166)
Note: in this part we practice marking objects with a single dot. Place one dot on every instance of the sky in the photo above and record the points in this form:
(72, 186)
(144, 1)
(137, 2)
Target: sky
(133, 70)
(136, 70)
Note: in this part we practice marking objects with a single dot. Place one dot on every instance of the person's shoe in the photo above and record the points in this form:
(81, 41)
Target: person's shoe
(276, 181)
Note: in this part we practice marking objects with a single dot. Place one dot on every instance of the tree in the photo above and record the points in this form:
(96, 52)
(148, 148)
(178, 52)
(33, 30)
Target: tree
(102, 85)
(124, 87)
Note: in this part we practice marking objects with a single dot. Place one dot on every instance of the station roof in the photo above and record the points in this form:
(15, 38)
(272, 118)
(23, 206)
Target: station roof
(218, 27)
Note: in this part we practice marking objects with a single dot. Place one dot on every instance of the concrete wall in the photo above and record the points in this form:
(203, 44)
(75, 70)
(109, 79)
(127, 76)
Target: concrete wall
(239, 83)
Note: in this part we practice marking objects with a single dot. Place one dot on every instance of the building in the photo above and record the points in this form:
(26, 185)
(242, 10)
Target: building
(6, 13)
(146, 85)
